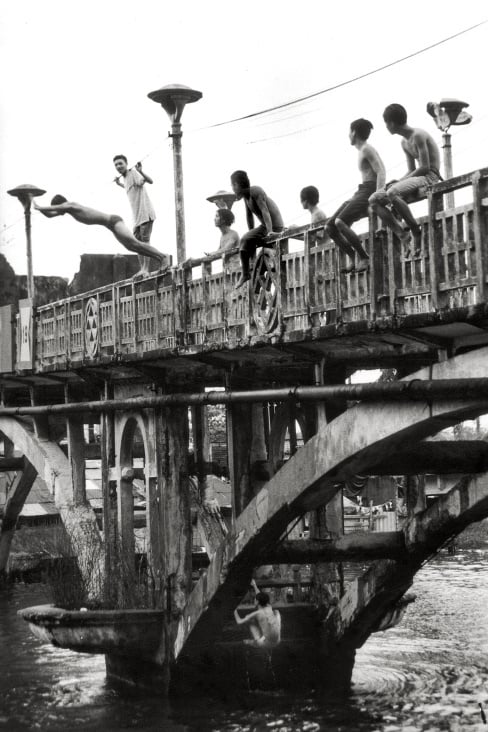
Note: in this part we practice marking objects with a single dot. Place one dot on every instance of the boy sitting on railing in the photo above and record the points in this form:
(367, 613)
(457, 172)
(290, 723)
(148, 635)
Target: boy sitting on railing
(372, 178)
(420, 147)
(260, 205)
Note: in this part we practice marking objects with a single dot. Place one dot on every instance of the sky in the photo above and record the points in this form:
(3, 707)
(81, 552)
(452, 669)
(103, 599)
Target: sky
(75, 79)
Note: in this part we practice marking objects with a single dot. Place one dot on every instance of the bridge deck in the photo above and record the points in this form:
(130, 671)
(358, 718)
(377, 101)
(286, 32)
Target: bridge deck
(299, 305)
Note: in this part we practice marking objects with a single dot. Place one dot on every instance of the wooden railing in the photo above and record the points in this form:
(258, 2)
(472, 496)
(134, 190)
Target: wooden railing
(297, 284)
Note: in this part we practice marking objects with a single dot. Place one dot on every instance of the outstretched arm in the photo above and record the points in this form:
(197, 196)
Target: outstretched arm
(51, 211)
(246, 618)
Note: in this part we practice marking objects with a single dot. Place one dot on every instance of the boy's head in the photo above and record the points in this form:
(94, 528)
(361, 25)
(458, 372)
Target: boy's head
(120, 162)
(57, 199)
(262, 599)
(395, 116)
(309, 196)
(224, 217)
(240, 182)
(360, 130)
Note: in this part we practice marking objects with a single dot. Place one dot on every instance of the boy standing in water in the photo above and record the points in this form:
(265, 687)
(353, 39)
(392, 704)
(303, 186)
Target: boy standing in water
(264, 623)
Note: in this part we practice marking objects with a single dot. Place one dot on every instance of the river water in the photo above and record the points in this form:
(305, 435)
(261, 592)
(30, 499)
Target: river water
(430, 673)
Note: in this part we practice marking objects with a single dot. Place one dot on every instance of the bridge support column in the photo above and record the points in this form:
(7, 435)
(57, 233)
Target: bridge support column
(201, 444)
(18, 493)
(126, 554)
(247, 452)
(109, 492)
(176, 531)
(76, 454)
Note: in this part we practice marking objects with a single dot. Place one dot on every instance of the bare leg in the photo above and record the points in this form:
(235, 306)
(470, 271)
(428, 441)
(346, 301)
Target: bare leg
(145, 264)
(393, 223)
(340, 241)
(404, 210)
(245, 275)
(125, 236)
(353, 239)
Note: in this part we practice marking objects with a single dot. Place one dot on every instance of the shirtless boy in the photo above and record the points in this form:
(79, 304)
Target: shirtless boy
(264, 623)
(419, 147)
(224, 218)
(260, 205)
(60, 206)
(373, 178)
(309, 197)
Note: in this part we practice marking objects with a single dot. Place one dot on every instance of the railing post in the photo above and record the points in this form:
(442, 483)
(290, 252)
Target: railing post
(480, 191)
(307, 275)
(206, 272)
(436, 204)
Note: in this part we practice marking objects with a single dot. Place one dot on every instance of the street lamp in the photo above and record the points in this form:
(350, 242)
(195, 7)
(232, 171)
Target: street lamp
(25, 193)
(173, 99)
(222, 199)
(448, 112)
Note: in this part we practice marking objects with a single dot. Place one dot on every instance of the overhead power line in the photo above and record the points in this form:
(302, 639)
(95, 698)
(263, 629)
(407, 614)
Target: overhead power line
(348, 81)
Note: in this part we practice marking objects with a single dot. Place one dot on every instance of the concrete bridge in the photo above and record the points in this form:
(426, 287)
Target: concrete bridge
(137, 358)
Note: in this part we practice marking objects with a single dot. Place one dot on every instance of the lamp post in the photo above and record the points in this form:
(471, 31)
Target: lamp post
(173, 99)
(448, 112)
(25, 193)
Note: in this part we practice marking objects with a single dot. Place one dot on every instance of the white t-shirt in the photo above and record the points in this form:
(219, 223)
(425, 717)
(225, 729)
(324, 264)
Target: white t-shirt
(140, 203)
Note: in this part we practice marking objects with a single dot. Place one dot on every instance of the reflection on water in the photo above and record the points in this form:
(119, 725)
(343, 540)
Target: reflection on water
(430, 673)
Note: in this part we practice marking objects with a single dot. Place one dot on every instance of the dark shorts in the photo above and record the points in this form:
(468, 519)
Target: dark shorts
(255, 238)
(356, 207)
(143, 231)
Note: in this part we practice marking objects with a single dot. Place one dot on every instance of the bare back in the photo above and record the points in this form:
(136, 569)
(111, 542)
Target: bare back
(269, 622)
(366, 155)
(89, 216)
(420, 139)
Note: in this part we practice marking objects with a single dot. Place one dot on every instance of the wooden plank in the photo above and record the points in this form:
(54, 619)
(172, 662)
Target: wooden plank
(11, 464)
(356, 546)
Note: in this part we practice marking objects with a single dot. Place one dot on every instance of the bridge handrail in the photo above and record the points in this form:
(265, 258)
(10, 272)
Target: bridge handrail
(294, 288)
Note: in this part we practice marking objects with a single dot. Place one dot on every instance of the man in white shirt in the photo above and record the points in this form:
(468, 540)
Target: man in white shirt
(134, 180)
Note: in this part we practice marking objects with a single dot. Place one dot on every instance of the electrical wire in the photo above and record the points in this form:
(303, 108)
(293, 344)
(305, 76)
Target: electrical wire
(348, 81)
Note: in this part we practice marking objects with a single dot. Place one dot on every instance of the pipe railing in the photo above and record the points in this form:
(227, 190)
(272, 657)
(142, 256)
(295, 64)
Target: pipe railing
(414, 390)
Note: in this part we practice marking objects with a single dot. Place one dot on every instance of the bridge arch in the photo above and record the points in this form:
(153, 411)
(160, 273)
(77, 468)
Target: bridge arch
(54, 468)
(355, 441)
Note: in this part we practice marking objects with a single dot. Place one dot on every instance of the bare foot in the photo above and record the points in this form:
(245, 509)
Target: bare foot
(243, 278)
(142, 273)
